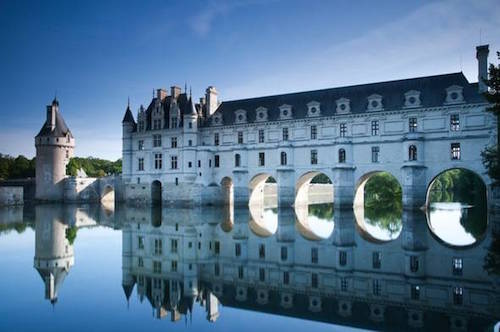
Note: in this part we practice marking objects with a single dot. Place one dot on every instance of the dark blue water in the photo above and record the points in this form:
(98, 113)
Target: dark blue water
(87, 268)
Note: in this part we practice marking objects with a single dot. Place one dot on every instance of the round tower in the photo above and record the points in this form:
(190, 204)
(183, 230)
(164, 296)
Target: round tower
(128, 126)
(54, 148)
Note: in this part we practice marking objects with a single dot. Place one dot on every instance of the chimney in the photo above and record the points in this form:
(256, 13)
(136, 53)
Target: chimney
(161, 94)
(211, 100)
(482, 66)
(51, 116)
(175, 91)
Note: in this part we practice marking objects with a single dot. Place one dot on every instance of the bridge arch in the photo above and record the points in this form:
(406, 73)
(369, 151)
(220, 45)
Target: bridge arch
(457, 207)
(305, 193)
(263, 221)
(315, 222)
(156, 192)
(378, 214)
(260, 185)
(108, 194)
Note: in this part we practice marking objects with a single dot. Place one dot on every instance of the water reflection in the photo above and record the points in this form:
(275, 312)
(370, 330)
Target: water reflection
(315, 221)
(200, 259)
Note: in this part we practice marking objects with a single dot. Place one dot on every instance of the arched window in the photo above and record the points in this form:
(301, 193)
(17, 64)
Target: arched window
(283, 158)
(237, 160)
(412, 153)
(341, 156)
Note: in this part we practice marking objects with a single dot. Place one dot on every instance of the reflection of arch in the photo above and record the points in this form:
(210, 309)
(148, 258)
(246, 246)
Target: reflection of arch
(311, 227)
(227, 223)
(263, 222)
(256, 186)
(156, 192)
(363, 228)
(108, 194)
(441, 172)
(227, 190)
(359, 193)
(302, 189)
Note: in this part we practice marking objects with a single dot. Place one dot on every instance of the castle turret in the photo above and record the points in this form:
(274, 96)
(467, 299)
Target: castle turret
(54, 148)
(128, 126)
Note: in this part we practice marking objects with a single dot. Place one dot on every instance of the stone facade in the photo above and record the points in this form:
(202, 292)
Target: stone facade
(11, 196)
(414, 129)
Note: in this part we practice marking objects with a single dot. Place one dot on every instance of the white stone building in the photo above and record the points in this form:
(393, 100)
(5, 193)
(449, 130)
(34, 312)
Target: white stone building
(182, 152)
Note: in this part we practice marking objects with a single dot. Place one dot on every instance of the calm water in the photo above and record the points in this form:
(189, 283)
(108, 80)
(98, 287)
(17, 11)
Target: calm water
(94, 268)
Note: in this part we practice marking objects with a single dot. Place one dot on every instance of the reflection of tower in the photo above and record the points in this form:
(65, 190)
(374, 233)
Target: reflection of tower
(128, 280)
(414, 242)
(53, 251)
(54, 147)
(212, 307)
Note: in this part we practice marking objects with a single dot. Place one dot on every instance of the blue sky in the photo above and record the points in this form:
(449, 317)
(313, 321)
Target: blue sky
(96, 54)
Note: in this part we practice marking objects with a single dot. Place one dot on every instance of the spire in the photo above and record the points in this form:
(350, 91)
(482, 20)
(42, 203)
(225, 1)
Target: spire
(128, 117)
(190, 92)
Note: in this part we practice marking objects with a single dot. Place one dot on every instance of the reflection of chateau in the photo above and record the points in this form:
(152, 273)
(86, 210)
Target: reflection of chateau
(195, 256)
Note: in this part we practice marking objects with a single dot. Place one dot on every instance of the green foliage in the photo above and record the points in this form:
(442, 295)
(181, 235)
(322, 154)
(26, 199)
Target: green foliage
(71, 234)
(94, 167)
(322, 211)
(321, 178)
(383, 202)
(491, 162)
(458, 185)
(492, 258)
(16, 168)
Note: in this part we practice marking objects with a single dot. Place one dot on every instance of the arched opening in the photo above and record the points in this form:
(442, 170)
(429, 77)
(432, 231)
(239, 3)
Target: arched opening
(263, 221)
(156, 192)
(341, 156)
(457, 207)
(227, 190)
(237, 160)
(412, 153)
(227, 223)
(378, 206)
(314, 205)
(263, 191)
(108, 196)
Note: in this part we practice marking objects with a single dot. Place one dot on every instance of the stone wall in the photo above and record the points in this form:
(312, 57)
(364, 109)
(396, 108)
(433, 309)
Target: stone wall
(11, 196)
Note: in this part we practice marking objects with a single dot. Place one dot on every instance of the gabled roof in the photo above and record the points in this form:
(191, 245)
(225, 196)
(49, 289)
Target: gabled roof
(432, 88)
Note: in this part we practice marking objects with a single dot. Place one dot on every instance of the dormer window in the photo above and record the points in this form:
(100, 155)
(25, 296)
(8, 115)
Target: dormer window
(454, 95)
(343, 106)
(261, 114)
(285, 112)
(412, 99)
(217, 119)
(375, 103)
(240, 116)
(313, 109)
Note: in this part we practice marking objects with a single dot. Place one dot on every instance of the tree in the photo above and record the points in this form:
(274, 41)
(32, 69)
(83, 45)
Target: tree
(491, 155)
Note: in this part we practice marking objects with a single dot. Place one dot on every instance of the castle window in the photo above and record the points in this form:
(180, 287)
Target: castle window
(158, 247)
(156, 141)
(173, 142)
(412, 125)
(376, 260)
(284, 253)
(314, 157)
(140, 262)
(216, 139)
(240, 272)
(414, 264)
(199, 163)
(375, 127)
(173, 246)
(216, 160)
(140, 145)
(158, 160)
(412, 153)
(237, 160)
(283, 158)
(190, 125)
(455, 151)
(415, 292)
(314, 255)
(262, 159)
(285, 134)
(342, 258)
(240, 137)
(174, 266)
(140, 242)
(454, 122)
(458, 294)
(314, 132)
(237, 249)
(156, 124)
(173, 122)
(343, 129)
(457, 266)
(262, 251)
(261, 114)
(190, 164)
(313, 109)
(314, 280)
(344, 284)
(156, 267)
(217, 247)
(286, 278)
(141, 164)
(190, 143)
(262, 274)
(375, 154)
(376, 287)
(67, 154)
(173, 162)
(341, 156)
(261, 135)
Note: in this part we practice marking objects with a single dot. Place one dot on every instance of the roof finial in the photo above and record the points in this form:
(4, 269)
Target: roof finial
(128, 102)
(185, 87)
(190, 92)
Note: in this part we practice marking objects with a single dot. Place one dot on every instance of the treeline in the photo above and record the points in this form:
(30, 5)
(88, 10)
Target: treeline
(16, 168)
(458, 185)
(94, 167)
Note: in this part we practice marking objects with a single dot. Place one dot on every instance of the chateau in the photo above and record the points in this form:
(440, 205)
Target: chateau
(182, 151)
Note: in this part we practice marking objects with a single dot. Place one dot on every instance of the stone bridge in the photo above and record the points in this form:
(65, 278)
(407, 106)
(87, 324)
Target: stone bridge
(106, 189)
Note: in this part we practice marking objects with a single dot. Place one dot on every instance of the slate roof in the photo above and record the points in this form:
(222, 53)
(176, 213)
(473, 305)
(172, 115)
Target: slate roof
(128, 118)
(60, 129)
(432, 93)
